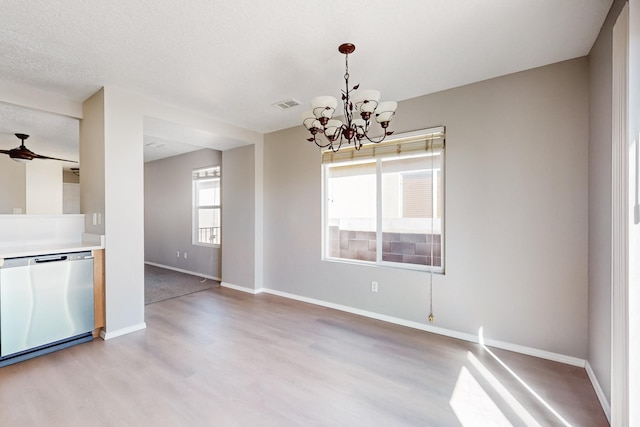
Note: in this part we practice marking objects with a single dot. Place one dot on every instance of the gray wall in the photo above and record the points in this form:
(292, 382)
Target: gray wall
(70, 177)
(516, 214)
(13, 191)
(92, 158)
(168, 213)
(238, 216)
(599, 355)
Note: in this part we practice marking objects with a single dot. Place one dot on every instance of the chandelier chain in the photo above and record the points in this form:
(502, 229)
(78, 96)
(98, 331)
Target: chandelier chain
(346, 69)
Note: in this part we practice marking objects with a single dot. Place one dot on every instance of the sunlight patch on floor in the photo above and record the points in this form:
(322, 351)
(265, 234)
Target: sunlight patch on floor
(472, 405)
(521, 381)
(508, 398)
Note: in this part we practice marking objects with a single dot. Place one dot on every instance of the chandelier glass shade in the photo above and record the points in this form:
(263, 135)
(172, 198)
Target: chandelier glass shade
(360, 108)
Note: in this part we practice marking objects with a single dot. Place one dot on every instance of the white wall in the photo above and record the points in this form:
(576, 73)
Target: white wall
(44, 187)
(124, 211)
(168, 215)
(35, 187)
(599, 353)
(38, 99)
(516, 214)
(13, 188)
(634, 223)
(70, 198)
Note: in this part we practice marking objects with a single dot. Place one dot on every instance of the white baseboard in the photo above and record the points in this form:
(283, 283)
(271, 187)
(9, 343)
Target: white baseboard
(569, 360)
(542, 354)
(241, 288)
(107, 335)
(180, 270)
(606, 407)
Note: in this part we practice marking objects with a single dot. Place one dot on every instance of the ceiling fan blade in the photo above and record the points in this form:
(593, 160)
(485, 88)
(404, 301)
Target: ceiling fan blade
(23, 154)
(39, 156)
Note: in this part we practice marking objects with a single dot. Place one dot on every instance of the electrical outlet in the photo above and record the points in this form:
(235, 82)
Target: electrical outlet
(185, 255)
(177, 254)
(374, 286)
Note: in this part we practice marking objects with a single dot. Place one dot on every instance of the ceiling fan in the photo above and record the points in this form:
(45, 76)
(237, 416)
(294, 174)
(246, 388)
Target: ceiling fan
(23, 154)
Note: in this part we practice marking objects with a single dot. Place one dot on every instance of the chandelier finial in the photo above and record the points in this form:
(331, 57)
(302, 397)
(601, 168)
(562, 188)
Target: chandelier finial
(366, 103)
(346, 48)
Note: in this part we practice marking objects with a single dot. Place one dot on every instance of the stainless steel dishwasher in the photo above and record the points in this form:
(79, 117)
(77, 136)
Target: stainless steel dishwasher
(46, 303)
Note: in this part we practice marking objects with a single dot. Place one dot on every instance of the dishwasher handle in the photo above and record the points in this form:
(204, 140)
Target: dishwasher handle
(52, 258)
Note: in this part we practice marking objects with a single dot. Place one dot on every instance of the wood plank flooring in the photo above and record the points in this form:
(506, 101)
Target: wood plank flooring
(224, 358)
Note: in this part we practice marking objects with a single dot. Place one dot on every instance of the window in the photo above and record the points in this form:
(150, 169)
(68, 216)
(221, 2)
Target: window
(206, 206)
(384, 203)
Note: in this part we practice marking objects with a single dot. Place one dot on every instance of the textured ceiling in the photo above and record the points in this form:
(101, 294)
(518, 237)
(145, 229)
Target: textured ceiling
(232, 59)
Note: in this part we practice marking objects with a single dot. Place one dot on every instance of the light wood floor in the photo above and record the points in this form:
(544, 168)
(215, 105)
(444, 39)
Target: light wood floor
(225, 358)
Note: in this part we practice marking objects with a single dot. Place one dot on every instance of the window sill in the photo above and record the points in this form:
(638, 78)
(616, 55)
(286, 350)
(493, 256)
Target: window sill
(384, 264)
(205, 245)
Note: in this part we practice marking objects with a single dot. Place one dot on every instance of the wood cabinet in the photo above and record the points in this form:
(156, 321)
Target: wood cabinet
(98, 291)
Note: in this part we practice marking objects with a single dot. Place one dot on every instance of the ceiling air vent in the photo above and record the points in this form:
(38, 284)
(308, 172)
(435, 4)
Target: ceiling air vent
(287, 103)
(154, 144)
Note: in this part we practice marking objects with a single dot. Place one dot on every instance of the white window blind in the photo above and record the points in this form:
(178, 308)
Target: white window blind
(403, 145)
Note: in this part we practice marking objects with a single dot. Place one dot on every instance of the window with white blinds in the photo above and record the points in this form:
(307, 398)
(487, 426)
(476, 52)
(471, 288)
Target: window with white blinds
(384, 203)
(206, 206)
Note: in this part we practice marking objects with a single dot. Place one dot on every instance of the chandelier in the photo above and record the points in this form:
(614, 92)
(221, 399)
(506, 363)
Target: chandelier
(366, 103)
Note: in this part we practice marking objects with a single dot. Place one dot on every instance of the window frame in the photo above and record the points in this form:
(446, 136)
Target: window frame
(196, 207)
(325, 246)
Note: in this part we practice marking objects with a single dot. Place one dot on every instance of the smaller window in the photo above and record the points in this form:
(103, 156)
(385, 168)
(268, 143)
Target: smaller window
(206, 206)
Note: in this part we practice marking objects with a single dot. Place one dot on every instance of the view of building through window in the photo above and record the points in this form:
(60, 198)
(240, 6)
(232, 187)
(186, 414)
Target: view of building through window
(386, 210)
(206, 206)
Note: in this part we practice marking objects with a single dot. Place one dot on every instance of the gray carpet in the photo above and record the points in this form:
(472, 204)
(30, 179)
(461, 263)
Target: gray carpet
(162, 284)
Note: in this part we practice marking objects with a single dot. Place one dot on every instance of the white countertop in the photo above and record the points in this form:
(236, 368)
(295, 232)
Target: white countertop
(14, 251)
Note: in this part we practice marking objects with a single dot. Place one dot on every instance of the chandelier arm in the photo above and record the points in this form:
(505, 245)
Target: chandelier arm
(335, 149)
(384, 135)
(329, 143)
(318, 142)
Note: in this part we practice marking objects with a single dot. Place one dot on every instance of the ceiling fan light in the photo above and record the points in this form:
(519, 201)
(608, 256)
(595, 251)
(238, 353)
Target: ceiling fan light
(20, 160)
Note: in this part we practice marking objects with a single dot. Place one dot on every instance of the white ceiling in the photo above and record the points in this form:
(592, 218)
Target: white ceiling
(233, 59)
